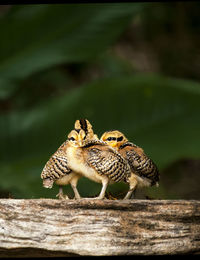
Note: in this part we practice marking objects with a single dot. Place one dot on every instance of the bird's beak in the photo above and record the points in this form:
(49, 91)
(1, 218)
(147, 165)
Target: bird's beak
(80, 142)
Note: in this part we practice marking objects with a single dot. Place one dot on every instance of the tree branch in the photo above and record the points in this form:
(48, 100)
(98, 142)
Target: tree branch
(47, 227)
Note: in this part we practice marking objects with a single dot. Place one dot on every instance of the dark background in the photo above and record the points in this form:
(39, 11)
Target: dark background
(134, 67)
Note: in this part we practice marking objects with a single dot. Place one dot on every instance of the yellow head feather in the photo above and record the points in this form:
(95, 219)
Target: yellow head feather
(114, 138)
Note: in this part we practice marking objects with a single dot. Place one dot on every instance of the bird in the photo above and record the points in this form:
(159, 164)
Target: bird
(144, 172)
(95, 160)
(57, 169)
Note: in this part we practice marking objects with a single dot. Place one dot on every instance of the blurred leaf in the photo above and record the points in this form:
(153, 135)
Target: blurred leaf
(158, 113)
(36, 37)
(111, 65)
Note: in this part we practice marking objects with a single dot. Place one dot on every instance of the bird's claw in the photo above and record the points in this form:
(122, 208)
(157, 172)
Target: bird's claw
(62, 196)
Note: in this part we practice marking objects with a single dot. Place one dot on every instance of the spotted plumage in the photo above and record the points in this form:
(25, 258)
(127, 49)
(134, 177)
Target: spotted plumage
(144, 172)
(96, 160)
(57, 167)
(140, 164)
(107, 162)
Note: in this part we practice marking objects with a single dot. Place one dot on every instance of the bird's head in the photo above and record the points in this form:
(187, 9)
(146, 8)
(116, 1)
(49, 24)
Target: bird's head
(77, 139)
(114, 138)
(85, 125)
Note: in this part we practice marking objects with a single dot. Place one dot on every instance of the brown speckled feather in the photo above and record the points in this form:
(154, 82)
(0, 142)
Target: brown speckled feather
(57, 166)
(140, 164)
(106, 161)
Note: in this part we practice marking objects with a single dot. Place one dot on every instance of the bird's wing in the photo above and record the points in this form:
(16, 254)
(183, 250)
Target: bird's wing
(142, 165)
(57, 165)
(108, 162)
(55, 168)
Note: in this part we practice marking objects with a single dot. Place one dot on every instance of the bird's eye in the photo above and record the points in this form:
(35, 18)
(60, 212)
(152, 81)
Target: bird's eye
(111, 139)
(71, 139)
(120, 138)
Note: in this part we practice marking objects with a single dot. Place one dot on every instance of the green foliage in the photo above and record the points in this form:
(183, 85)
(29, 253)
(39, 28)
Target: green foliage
(159, 113)
(37, 37)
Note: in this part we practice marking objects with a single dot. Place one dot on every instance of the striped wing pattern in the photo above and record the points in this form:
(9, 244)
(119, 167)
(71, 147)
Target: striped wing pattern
(109, 163)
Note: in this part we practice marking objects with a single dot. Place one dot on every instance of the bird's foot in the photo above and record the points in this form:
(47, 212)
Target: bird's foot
(77, 198)
(62, 196)
(99, 198)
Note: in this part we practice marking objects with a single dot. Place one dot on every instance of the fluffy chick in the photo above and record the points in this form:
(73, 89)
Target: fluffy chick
(57, 169)
(144, 172)
(95, 160)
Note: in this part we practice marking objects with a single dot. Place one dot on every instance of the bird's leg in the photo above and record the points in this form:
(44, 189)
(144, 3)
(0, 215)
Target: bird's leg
(132, 186)
(60, 194)
(133, 195)
(74, 184)
(76, 193)
(103, 190)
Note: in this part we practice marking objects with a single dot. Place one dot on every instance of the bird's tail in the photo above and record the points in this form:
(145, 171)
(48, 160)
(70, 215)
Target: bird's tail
(47, 183)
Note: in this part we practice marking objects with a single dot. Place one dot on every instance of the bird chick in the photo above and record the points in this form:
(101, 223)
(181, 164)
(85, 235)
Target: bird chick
(57, 169)
(95, 160)
(144, 172)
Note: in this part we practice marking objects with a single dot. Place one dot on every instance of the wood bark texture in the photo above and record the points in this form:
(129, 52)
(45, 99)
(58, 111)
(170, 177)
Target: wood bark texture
(48, 227)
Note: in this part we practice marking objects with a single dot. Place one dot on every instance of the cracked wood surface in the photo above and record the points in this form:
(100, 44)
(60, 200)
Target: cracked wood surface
(48, 227)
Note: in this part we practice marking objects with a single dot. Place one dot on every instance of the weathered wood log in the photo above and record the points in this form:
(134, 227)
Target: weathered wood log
(47, 227)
